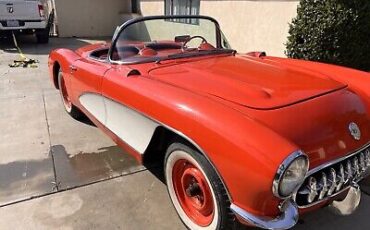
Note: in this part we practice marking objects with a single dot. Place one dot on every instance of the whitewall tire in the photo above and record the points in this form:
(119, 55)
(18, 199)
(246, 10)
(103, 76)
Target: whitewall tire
(196, 191)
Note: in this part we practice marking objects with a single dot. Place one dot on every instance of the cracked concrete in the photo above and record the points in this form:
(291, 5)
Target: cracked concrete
(59, 173)
(4, 73)
(33, 123)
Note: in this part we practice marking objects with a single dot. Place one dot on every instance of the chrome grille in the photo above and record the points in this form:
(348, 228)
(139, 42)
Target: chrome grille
(331, 179)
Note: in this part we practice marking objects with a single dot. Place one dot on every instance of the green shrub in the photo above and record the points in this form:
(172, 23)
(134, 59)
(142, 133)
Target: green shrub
(332, 31)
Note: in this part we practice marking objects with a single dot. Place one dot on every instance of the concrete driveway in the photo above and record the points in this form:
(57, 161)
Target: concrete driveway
(59, 173)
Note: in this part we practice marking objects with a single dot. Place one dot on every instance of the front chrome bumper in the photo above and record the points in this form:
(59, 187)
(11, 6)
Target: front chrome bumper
(349, 204)
(288, 218)
(289, 211)
(333, 180)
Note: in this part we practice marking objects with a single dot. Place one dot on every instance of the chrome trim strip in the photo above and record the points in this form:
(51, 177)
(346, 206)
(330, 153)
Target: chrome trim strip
(315, 170)
(281, 170)
(288, 218)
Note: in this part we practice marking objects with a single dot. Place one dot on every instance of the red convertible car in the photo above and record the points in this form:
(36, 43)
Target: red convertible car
(245, 139)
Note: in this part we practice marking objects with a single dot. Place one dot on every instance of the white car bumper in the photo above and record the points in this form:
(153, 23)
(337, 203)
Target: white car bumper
(24, 25)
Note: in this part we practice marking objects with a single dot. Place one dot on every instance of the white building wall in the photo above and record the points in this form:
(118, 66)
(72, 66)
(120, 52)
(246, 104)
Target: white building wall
(249, 25)
(90, 18)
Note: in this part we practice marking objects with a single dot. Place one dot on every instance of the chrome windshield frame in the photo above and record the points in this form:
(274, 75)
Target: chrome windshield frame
(121, 28)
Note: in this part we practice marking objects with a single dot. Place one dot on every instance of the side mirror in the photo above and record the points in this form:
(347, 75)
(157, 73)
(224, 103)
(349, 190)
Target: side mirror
(182, 38)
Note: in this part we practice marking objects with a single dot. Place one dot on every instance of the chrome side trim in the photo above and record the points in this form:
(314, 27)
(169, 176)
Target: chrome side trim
(281, 170)
(288, 218)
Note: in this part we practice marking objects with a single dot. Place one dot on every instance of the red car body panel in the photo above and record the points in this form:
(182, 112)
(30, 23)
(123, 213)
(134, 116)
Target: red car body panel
(247, 114)
(238, 79)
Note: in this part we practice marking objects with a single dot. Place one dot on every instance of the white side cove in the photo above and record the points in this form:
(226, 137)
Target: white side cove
(94, 103)
(130, 126)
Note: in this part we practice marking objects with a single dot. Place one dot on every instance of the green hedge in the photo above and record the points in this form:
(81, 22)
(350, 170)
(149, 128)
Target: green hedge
(332, 31)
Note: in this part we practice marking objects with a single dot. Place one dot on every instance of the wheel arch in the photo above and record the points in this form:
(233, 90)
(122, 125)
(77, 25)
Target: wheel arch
(60, 59)
(162, 138)
(56, 68)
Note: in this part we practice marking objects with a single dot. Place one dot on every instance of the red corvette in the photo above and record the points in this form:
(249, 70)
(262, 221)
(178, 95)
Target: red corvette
(245, 138)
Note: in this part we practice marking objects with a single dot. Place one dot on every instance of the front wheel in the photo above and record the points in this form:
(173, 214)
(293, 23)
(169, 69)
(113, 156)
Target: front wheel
(72, 110)
(196, 191)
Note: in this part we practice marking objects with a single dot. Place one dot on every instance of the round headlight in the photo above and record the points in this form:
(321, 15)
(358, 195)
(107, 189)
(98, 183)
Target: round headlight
(291, 174)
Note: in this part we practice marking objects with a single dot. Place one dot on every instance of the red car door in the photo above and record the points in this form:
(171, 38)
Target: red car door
(121, 100)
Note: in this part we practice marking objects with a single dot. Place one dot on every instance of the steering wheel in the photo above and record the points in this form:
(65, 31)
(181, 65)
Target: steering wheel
(183, 47)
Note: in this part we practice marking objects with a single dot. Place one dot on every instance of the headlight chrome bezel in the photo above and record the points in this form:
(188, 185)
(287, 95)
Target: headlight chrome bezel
(283, 168)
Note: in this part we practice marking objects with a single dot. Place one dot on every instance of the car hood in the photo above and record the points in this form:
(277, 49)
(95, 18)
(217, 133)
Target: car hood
(251, 82)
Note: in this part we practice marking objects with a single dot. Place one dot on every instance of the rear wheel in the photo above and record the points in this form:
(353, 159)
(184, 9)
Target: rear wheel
(196, 191)
(66, 100)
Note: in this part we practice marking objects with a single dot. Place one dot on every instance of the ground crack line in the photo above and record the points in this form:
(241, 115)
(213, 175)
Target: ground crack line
(5, 73)
(55, 182)
(72, 188)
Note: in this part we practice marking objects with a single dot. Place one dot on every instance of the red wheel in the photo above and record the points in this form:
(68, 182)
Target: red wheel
(196, 191)
(193, 192)
(64, 93)
(66, 99)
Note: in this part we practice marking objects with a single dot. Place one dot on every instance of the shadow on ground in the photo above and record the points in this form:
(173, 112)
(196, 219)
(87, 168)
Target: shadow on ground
(21, 180)
(85, 168)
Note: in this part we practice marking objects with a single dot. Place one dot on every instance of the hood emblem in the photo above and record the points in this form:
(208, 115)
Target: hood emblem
(354, 131)
(10, 9)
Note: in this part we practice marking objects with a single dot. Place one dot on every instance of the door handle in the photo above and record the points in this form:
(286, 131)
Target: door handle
(73, 68)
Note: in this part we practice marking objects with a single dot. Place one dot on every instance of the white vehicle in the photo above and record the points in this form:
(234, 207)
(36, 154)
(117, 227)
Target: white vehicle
(26, 16)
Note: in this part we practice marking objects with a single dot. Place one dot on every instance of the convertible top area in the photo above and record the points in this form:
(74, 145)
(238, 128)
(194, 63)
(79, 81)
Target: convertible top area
(157, 38)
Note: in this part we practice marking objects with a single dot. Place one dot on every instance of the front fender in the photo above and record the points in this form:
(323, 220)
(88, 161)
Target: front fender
(245, 153)
(64, 57)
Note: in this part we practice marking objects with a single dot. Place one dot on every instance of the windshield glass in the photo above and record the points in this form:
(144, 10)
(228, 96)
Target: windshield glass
(157, 38)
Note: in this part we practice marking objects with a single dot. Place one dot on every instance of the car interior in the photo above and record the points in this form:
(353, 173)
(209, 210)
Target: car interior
(135, 52)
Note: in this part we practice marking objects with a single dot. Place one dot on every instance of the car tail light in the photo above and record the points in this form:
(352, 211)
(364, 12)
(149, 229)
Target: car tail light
(41, 11)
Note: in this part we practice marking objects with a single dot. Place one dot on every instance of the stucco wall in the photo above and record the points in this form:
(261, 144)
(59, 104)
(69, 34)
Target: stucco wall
(249, 25)
(86, 18)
